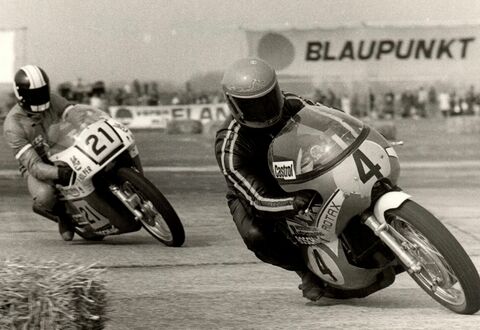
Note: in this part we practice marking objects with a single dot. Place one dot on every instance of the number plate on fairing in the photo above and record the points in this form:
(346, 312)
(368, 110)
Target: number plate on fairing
(89, 215)
(358, 172)
(322, 263)
(99, 141)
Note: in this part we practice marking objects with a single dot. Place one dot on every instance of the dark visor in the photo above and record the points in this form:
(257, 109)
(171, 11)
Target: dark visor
(36, 96)
(259, 110)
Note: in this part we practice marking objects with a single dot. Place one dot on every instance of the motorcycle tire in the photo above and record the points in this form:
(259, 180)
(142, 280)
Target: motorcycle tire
(433, 244)
(147, 191)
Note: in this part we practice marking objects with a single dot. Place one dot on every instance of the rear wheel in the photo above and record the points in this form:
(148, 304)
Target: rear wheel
(158, 216)
(447, 273)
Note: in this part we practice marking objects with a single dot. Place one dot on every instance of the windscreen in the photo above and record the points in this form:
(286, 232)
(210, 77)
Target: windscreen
(63, 134)
(315, 138)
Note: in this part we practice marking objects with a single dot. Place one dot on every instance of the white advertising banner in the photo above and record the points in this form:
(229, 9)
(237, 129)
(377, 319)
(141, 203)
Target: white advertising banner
(7, 56)
(372, 52)
(159, 116)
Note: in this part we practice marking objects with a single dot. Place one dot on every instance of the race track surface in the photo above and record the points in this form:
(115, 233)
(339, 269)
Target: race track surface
(214, 282)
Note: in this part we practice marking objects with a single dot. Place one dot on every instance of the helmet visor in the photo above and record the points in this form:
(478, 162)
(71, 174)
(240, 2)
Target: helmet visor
(258, 112)
(36, 96)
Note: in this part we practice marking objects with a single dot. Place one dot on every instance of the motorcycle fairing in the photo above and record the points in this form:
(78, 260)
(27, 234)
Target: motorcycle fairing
(328, 261)
(355, 195)
(76, 191)
(94, 146)
(370, 162)
(347, 198)
(87, 152)
(88, 215)
(326, 222)
(359, 157)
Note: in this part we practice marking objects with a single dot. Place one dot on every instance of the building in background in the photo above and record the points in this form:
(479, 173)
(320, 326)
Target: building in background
(12, 55)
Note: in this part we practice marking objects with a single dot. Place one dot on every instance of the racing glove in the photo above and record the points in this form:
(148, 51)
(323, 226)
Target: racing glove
(302, 199)
(64, 175)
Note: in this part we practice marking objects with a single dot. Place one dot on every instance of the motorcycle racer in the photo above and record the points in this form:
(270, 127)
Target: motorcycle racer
(259, 110)
(26, 132)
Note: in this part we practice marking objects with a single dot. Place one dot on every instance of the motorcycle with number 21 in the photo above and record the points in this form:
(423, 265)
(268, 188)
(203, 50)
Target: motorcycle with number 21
(361, 230)
(108, 193)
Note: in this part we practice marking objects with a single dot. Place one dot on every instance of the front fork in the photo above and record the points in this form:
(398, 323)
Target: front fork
(133, 202)
(377, 223)
(130, 202)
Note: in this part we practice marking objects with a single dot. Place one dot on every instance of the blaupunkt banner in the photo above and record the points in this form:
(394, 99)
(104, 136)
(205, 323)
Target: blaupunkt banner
(374, 52)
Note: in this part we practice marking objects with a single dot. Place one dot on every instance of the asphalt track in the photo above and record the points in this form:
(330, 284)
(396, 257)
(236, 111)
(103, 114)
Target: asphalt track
(213, 281)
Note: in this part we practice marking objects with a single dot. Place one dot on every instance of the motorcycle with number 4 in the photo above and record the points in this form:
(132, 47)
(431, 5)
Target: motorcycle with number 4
(361, 230)
(108, 193)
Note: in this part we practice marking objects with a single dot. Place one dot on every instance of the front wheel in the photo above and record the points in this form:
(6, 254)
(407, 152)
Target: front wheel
(447, 273)
(158, 216)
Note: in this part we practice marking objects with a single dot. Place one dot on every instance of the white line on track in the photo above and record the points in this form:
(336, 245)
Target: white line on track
(475, 164)
(206, 169)
(214, 169)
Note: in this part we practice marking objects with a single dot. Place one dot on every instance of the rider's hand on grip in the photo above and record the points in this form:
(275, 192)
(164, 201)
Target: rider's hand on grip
(64, 175)
(302, 199)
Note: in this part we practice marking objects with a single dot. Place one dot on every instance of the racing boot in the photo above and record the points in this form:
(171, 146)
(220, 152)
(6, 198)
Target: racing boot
(66, 228)
(65, 224)
(60, 216)
(312, 287)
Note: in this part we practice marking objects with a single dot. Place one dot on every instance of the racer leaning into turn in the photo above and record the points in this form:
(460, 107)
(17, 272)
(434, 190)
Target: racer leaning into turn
(259, 110)
(26, 129)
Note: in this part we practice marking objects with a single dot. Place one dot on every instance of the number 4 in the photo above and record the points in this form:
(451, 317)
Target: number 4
(374, 169)
(322, 266)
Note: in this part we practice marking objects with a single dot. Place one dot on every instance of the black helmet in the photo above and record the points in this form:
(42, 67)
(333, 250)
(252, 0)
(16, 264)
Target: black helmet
(252, 93)
(32, 89)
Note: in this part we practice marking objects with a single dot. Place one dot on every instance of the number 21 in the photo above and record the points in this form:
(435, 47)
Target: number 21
(97, 150)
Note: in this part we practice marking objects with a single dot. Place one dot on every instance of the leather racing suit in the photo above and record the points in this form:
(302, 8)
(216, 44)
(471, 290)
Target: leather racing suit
(27, 136)
(254, 196)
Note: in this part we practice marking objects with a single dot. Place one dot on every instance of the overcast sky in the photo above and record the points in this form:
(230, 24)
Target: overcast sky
(173, 39)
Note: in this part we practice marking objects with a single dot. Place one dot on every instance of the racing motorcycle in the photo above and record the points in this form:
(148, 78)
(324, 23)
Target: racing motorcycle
(107, 186)
(361, 229)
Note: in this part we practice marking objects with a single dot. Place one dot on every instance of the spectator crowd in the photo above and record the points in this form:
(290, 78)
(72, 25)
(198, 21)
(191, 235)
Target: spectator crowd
(417, 103)
(136, 93)
(421, 102)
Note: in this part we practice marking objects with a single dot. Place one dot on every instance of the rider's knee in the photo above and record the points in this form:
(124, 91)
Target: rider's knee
(255, 239)
(44, 197)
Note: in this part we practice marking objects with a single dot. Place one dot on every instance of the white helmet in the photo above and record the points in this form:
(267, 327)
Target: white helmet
(32, 89)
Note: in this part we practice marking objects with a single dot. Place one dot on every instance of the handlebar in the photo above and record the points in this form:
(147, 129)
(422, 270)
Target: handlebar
(396, 143)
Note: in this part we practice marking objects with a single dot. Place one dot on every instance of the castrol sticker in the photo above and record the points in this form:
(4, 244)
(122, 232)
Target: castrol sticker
(284, 170)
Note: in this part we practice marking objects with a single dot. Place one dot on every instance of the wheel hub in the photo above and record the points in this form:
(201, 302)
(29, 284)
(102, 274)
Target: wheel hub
(435, 273)
(431, 263)
(149, 213)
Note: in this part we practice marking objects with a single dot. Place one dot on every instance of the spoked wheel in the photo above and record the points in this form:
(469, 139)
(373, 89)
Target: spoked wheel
(157, 215)
(447, 273)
